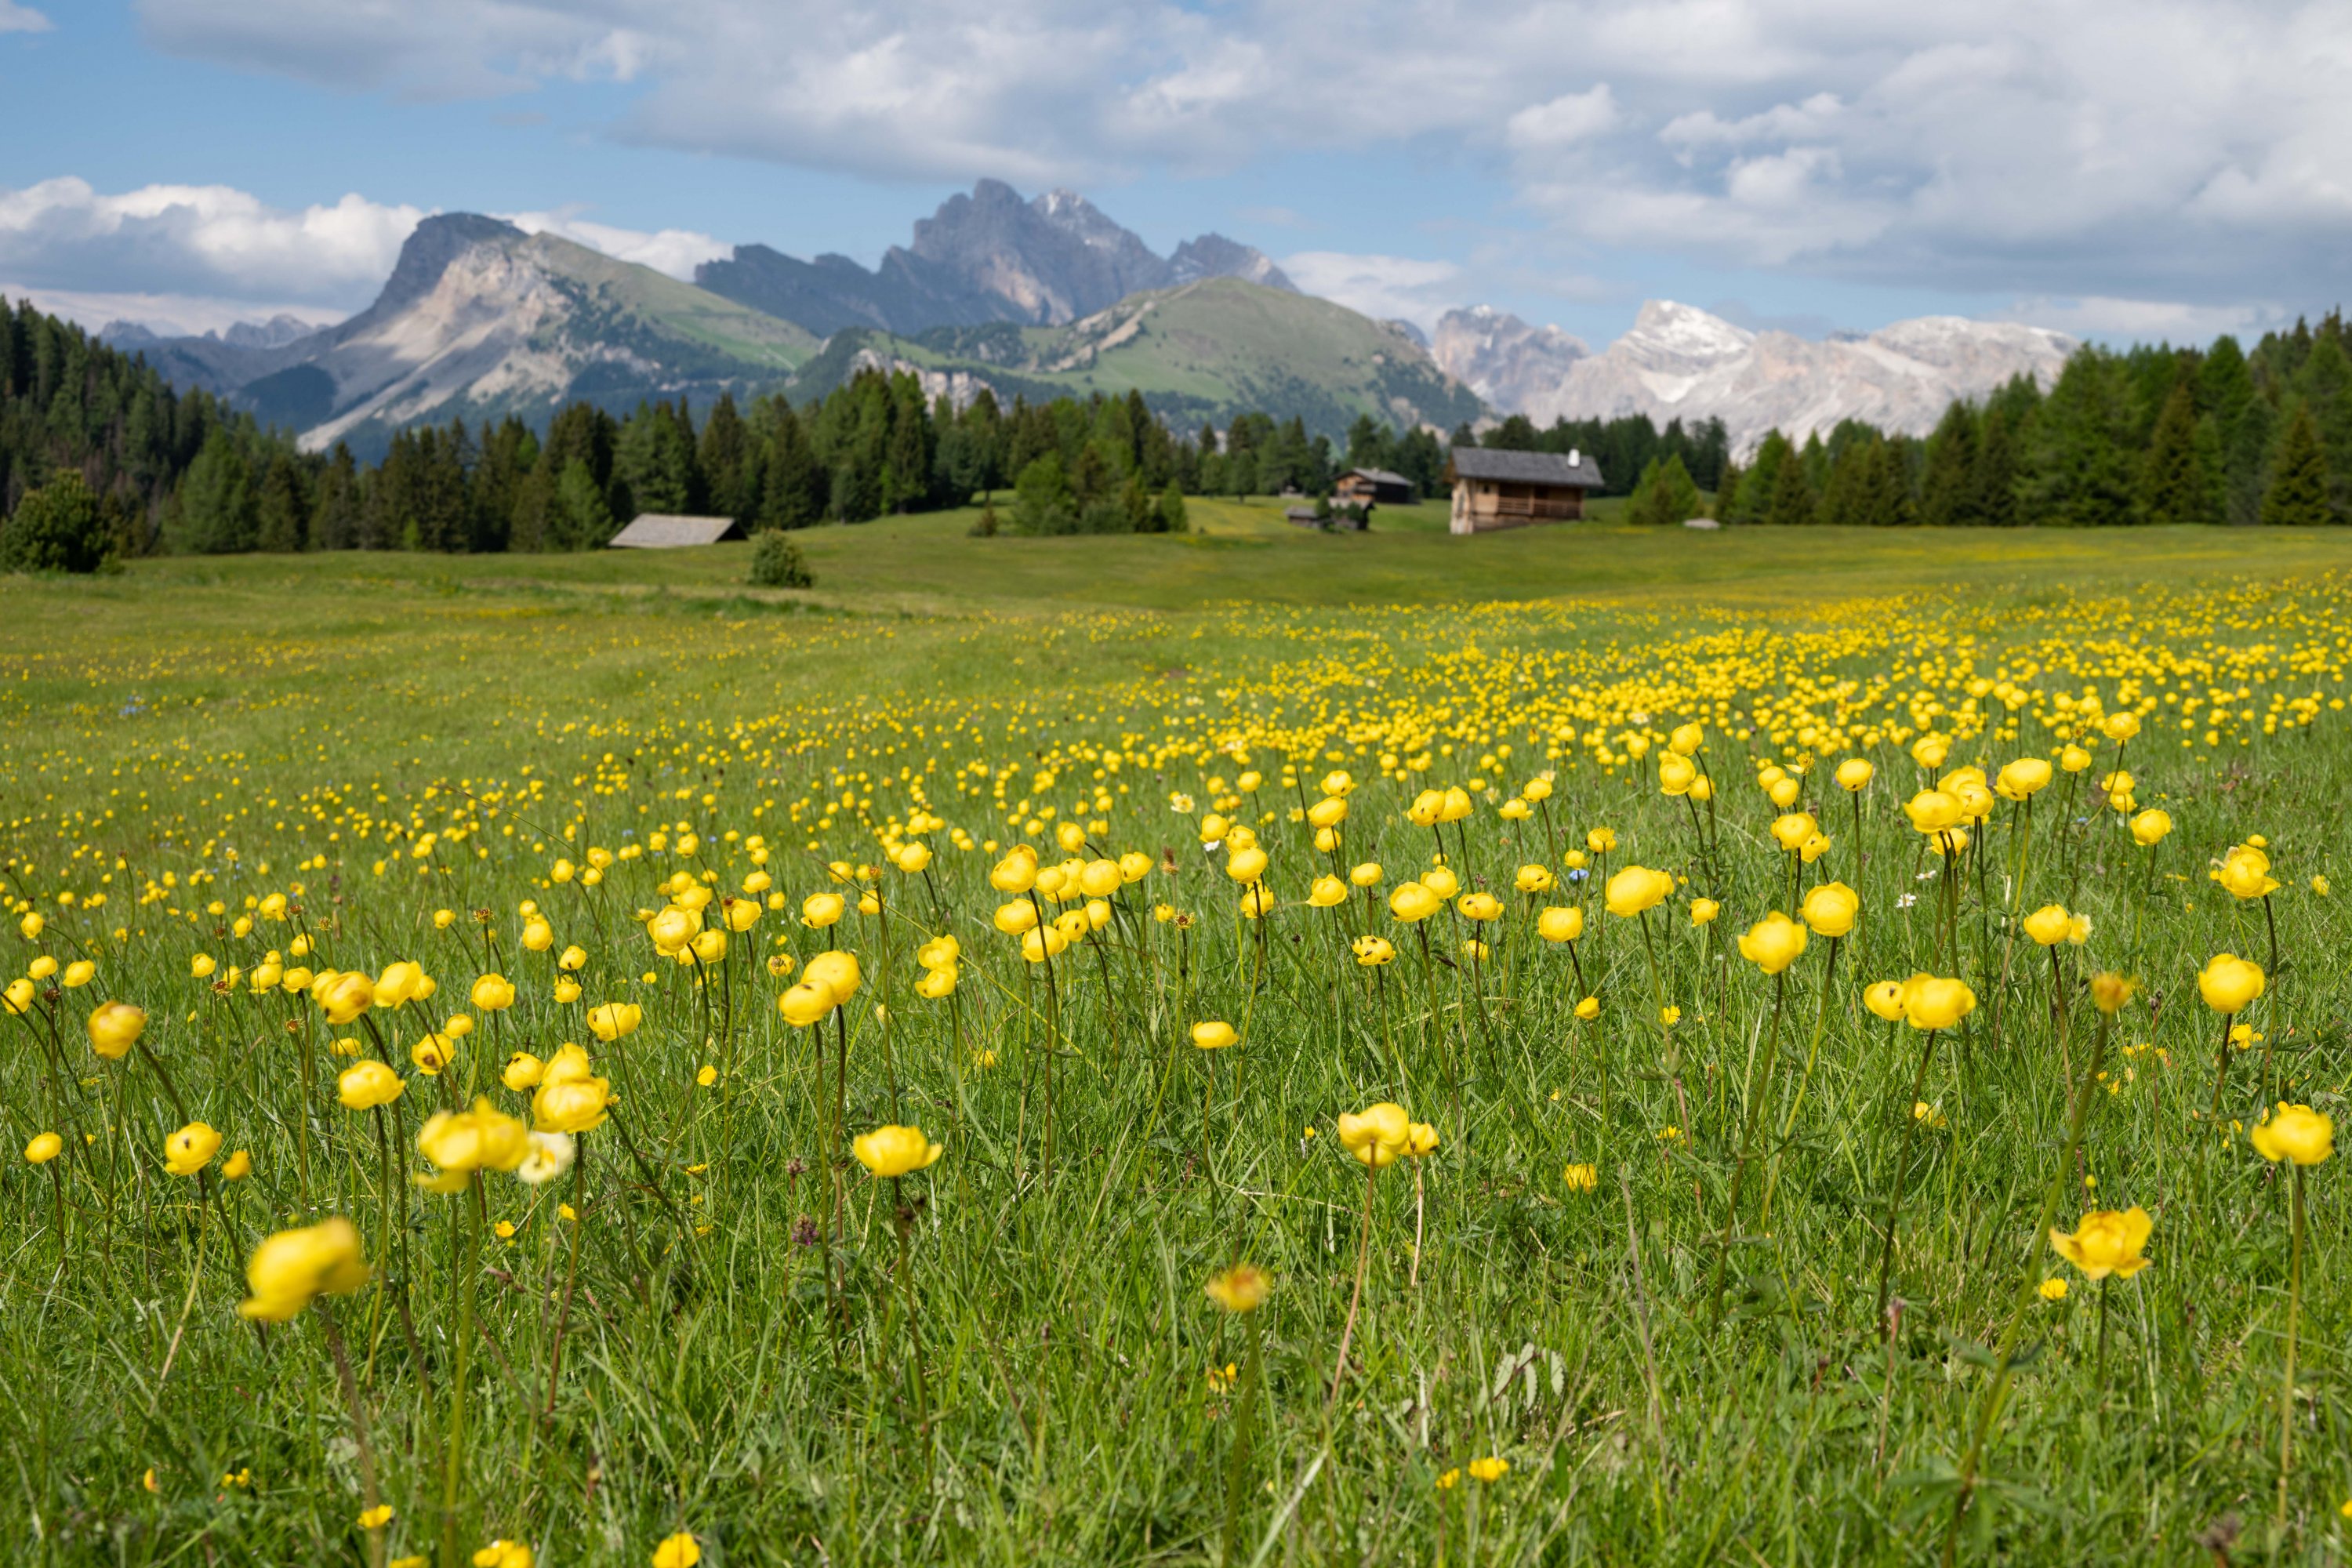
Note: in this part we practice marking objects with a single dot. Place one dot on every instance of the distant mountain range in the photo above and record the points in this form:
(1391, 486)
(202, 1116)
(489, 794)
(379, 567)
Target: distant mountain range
(1680, 362)
(1038, 298)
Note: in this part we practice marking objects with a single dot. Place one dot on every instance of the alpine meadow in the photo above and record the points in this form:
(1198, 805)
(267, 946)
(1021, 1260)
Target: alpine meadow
(987, 1059)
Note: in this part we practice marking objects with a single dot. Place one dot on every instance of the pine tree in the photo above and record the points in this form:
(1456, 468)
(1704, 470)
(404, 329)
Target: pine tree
(1664, 496)
(1727, 492)
(2297, 496)
(1791, 504)
(2246, 444)
(217, 511)
(2078, 471)
(1763, 481)
(1992, 478)
(2176, 486)
(281, 515)
(1947, 497)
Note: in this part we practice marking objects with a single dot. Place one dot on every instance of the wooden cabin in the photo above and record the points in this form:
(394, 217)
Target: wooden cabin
(1366, 487)
(664, 530)
(1495, 488)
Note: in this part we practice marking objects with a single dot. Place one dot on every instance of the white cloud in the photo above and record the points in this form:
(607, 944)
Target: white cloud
(2157, 149)
(16, 18)
(165, 315)
(2146, 321)
(1382, 287)
(671, 250)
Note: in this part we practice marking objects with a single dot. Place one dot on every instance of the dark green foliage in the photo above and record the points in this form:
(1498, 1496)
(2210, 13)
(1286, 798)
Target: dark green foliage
(2178, 481)
(57, 528)
(1664, 497)
(2078, 469)
(777, 561)
(2297, 496)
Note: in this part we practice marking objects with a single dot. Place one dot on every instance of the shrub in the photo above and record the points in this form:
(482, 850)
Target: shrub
(777, 561)
(56, 529)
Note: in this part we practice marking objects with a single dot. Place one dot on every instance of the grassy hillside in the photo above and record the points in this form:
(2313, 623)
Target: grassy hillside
(1205, 351)
(692, 328)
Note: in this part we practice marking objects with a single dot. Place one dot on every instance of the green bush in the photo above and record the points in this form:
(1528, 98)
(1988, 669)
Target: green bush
(777, 561)
(54, 529)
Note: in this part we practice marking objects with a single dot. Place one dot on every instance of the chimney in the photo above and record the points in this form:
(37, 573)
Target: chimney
(1575, 458)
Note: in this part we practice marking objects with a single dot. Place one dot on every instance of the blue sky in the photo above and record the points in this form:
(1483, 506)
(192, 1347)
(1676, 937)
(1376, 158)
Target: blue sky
(2118, 170)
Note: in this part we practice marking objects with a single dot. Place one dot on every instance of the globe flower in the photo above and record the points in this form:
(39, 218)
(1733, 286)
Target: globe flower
(399, 984)
(1247, 866)
(1932, 1003)
(1376, 1134)
(1533, 879)
(1420, 1140)
(1371, 951)
(1561, 924)
(1016, 873)
(1830, 908)
(2296, 1133)
(1790, 830)
(2227, 982)
(1675, 774)
(1241, 1289)
(365, 1085)
(1884, 999)
(895, 1151)
(1932, 811)
(2075, 759)
(1600, 840)
(433, 1053)
(2149, 826)
(805, 1003)
(2108, 1241)
(1854, 774)
(191, 1149)
(492, 993)
(1367, 875)
(2245, 873)
(1636, 888)
(573, 1103)
(1441, 880)
(114, 1028)
(1589, 1009)
(290, 1270)
(80, 973)
(1413, 902)
(939, 953)
(836, 971)
(573, 959)
(1480, 907)
(2120, 727)
(1773, 943)
(237, 1166)
(678, 1550)
(1016, 917)
(938, 984)
(551, 1157)
(2049, 925)
(2020, 780)
(44, 1148)
(461, 1143)
(18, 996)
(608, 1021)
(1703, 911)
(1213, 1035)
(1326, 892)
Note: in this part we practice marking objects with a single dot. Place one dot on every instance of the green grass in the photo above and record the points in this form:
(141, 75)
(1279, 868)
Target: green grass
(202, 732)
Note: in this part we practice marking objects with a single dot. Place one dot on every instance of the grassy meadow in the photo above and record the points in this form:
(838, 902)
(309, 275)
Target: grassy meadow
(1566, 1046)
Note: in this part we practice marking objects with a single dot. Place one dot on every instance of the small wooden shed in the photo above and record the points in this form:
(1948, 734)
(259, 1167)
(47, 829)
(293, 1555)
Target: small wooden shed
(1364, 486)
(1497, 489)
(669, 531)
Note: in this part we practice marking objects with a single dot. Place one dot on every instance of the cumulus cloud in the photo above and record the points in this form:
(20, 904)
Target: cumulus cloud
(200, 257)
(16, 18)
(2157, 147)
(1385, 288)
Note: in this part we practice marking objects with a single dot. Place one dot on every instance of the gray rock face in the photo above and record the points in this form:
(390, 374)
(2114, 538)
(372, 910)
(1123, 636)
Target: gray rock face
(1680, 362)
(986, 257)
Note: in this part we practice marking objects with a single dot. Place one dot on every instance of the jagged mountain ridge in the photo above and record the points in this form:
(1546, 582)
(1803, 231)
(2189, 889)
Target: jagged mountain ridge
(986, 257)
(1682, 362)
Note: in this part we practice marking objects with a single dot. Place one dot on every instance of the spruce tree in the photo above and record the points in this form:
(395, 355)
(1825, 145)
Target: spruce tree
(2176, 486)
(2297, 497)
(1792, 504)
(1947, 497)
(1992, 478)
(2246, 444)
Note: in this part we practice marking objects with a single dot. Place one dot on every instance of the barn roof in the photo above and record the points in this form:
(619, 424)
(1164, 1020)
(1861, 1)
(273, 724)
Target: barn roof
(664, 530)
(1524, 468)
(1378, 477)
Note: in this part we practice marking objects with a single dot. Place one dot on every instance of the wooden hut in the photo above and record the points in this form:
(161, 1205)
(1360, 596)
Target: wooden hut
(1364, 486)
(1497, 489)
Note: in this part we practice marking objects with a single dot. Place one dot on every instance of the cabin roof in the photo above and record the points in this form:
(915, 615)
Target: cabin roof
(669, 531)
(1524, 468)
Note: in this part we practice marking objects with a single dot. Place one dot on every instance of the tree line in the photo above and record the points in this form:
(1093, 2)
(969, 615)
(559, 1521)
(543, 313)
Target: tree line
(2149, 435)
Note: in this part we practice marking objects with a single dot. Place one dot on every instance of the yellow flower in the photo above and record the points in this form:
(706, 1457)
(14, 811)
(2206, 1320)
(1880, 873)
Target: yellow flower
(2053, 1289)
(291, 1268)
(363, 1085)
(114, 1028)
(2048, 925)
(237, 1166)
(1636, 888)
(1376, 1134)
(1932, 811)
(2319, 885)
(1773, 943)
(608, 1021)
(1703, 911)
(1367, 875)
(460, 1142)
(1490, 1469)
(522, 1071)
(1589, 1009)
(399, 984)
(1449, 1480)
(2108, 1241)
(44, 1148)
(573, 1102)
(1791, 831)
(433, 1053)
(673, 929)
(191, 1149)
(1412, 902)
(2245, 873)
(1326, 892)
(2294, 1132)
(1675, 774)
(678, 1550)
(1480, 907)
(1854, 774)
(503, 1553)
(1371, 951)
(2150, 826)
(2110, 991)
(1932, 1003)
(1420, 1140)
(936, 984)
(1241, 1289)
(2227, 982)
(1830, 908)
(836, 971)
(1213, 1035)
(375, 1518)
(1600, 840)
(79, 973)
(1581, 1178)
(895, 1151)
(1561, 924)
(492, 993)
(573, 959)
(2024, 777)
